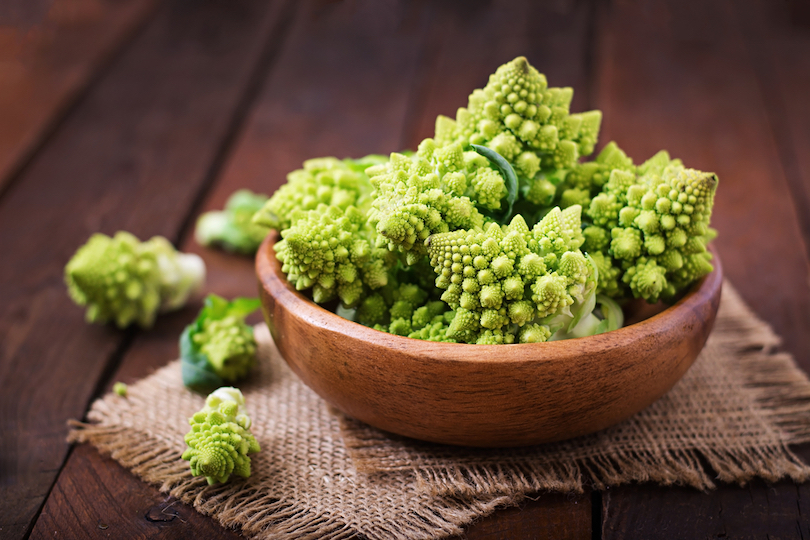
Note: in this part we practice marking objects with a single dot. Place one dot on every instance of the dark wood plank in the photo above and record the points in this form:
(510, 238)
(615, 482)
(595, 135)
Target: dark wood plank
(678, 75)
(758, 511)
(132, 156)
(112, 506)
(777, 35)
(48, 58)
(552, 516)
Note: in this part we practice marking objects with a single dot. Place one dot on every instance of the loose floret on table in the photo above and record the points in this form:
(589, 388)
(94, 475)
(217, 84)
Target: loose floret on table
(220, 439)
(218, 346)
(233, 228)
(124, 280)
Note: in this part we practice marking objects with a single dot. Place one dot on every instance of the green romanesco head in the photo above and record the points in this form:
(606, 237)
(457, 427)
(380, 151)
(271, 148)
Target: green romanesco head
(333, 251)
(329, 181)
(517, 113)
(428, 193)
(116, 279)
(229, 345)
(663, 231)
(220, 439)
(499, 279)
(652, 225)
(124, 280)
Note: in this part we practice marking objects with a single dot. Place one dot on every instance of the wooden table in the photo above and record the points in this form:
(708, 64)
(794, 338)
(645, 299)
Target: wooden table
(140, 114)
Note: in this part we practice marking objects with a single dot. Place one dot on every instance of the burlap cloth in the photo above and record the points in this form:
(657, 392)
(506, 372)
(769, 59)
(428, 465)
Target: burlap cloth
(322, 475)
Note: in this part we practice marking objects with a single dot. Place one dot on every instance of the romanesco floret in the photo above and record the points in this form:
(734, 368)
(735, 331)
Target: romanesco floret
(430, 192)
(499, 279)
(233, 228)
(517, 112)
(229, 345)
(329, 181)
(658, 225)
(218, 347)
(220, 439)
(333, 251)
(127, 281)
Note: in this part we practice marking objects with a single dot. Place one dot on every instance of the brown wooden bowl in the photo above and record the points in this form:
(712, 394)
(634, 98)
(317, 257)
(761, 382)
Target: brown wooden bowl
(484, 395)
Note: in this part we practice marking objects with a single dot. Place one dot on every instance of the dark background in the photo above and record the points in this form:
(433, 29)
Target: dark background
(140, 114)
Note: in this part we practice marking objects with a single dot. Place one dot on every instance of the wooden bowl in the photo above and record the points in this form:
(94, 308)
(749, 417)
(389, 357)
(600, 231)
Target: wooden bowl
(484, 395)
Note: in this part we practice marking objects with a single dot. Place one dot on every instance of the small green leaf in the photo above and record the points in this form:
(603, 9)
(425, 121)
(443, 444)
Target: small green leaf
(508, 174)
(197, 372)
(242, 307)
(612, 314)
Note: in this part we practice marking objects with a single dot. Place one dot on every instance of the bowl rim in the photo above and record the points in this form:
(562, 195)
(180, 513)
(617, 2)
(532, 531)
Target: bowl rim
(275, 284)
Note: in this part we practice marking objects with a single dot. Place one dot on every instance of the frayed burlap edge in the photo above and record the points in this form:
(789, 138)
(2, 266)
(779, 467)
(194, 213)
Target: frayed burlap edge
(779, 390)
(259, 515)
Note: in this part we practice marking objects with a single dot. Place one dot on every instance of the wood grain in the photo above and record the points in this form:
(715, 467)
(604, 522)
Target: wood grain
(132, 156)
(757, 511)
(550, 516)
(48, 59)
(778, 42)
(678, 75)
(477, 395)
(112, 505)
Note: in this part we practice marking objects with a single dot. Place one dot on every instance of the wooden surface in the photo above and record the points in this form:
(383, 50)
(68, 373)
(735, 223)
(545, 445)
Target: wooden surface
(137, 115)
(476, 395)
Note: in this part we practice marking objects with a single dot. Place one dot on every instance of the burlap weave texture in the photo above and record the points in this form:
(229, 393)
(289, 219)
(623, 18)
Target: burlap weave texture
(322, 475)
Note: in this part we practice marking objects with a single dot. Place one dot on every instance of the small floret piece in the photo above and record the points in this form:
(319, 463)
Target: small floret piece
(233, 228)
(326, 180)
(668, 213)
(430, 192)
(220, 439)
(499, 279)
(120, 389)
(332, 251)
(124, 280)
(218, 346)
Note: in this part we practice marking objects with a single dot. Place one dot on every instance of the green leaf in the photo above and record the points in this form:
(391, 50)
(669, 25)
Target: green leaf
(242, 307)
(612, 314)
(194, 366)
(508, 174)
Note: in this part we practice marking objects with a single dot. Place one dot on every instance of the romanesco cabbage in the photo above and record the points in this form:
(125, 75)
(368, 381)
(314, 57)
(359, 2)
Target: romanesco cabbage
(127, 281)
(494, 230)
(218, 346)
(330, 181)
(220, 439)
